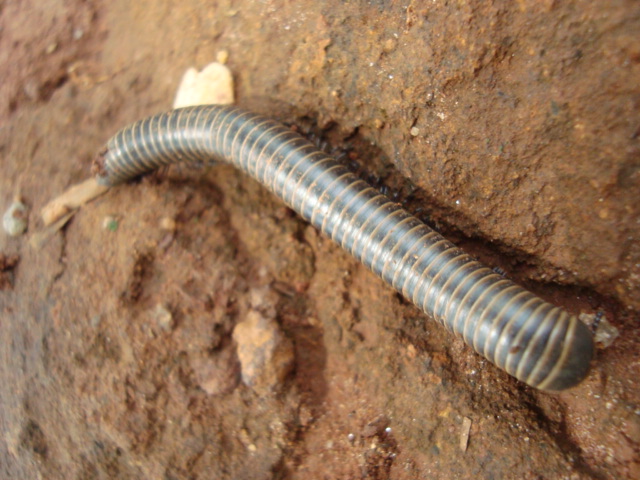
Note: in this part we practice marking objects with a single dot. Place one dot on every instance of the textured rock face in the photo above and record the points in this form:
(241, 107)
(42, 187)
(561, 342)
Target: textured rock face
(265, 353)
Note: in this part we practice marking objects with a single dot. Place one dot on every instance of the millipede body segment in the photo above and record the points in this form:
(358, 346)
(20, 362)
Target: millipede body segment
(536, 342)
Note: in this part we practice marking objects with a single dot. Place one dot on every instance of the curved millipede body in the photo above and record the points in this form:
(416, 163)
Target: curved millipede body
(529, 338)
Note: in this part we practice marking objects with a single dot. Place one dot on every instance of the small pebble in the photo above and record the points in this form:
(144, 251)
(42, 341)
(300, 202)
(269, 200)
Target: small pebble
(163, 317)
(605, 333)
(222, 56)
(14, 220)
(389, 45)
(110, 223)
(168, 224)
(265, 353)
(415, 131)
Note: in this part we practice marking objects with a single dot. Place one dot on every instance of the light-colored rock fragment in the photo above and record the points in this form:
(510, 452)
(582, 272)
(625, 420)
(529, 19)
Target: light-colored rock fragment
(265, 353)
(73, 198)
(168, 224)
(212, 85)
(464, 433)
(163, 317)
(15, 218)
(605, 333)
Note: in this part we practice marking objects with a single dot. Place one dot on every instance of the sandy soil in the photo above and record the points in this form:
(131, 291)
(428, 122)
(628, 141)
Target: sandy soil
(118, 359)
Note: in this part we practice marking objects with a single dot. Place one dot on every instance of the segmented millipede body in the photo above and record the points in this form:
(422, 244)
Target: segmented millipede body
(536, 342)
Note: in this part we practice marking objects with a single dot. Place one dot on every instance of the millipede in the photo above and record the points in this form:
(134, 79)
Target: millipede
(534, 341)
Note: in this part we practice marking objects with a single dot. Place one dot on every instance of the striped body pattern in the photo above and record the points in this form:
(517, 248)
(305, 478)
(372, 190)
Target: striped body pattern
(536, 342)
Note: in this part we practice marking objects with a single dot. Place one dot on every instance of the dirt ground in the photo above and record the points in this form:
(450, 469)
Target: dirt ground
(512, 127)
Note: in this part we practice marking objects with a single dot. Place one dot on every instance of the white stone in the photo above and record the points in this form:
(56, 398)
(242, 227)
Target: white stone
(211, 86)
(14, 220)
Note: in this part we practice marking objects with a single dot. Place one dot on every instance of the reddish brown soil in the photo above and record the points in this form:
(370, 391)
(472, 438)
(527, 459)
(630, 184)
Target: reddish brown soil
(527, 154)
